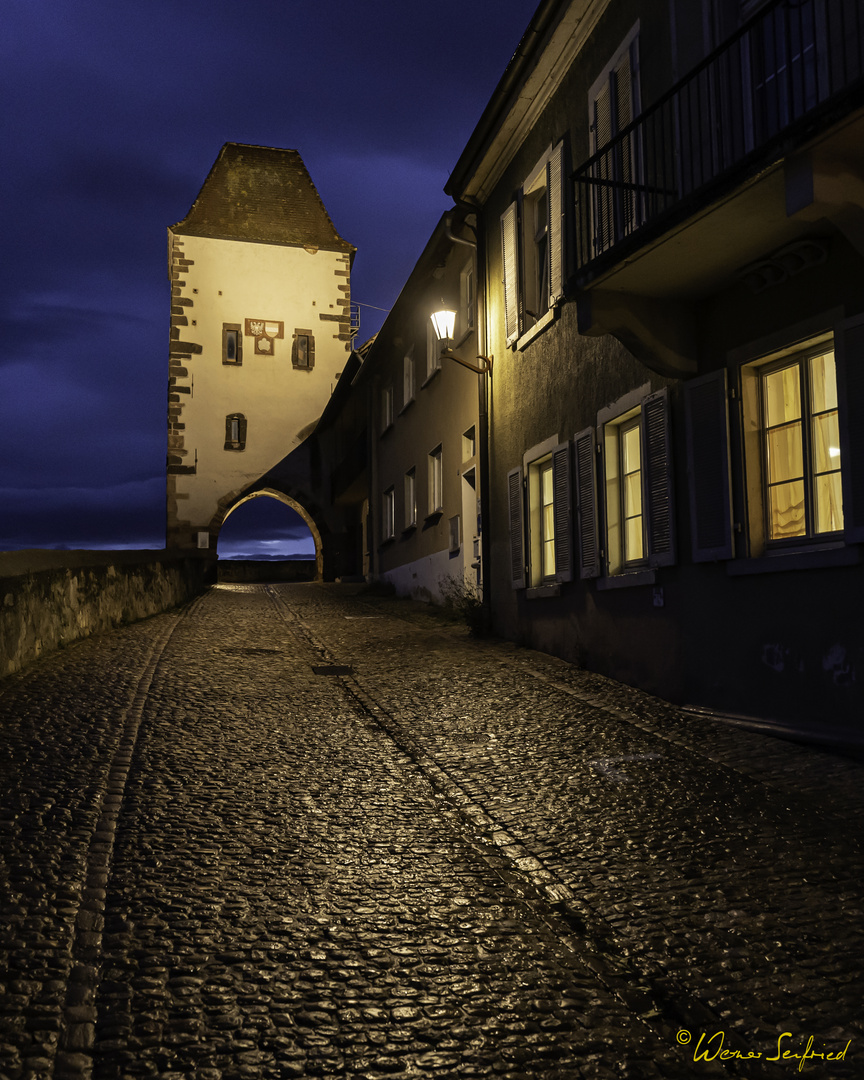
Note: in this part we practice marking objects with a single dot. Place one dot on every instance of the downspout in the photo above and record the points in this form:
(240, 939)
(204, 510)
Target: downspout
(484, 394)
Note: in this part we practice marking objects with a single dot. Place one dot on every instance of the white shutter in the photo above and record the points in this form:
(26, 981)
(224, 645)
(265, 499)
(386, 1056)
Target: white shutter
(555, 209)
(510, 259)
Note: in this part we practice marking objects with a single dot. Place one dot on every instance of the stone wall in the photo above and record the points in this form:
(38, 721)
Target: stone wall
(52, 598)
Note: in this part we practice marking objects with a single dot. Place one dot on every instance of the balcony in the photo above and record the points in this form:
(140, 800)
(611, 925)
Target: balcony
(794, 69)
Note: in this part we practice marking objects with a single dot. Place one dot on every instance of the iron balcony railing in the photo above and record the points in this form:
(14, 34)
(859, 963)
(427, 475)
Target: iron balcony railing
(790, 60)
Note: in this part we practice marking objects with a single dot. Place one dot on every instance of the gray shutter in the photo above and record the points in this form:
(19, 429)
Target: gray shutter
(510, 258)
(311, 351)
(242, 433)
(586, 504)
(517, 542)
(563, 512)
(657, 466)
(708, 467)
(555, 210)
(240, 344)
(849, 357)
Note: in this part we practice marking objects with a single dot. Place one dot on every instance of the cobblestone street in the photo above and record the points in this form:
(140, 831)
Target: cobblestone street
(301, 830)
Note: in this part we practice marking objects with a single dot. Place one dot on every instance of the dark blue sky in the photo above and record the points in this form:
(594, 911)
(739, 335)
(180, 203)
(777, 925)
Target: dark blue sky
(113, 114)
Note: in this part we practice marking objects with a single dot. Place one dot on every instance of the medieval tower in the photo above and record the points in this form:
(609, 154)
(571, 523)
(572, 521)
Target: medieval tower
(260, 329)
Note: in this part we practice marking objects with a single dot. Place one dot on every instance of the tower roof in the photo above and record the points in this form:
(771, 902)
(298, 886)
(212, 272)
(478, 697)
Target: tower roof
(263, 195)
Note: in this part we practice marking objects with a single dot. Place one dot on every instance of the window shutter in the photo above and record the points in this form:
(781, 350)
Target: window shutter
(601, 120)
(657, 450)
(517, 544)
(555, 209)
(563, 512)
(708, 467)
(242, 432)
(311, 350)
(239, 346)
(510, 257)
(586, 504)
(849, 357)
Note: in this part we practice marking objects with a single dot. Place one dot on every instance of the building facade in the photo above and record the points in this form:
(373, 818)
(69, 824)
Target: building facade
(671, 197)
(425, 428)
(260, 332)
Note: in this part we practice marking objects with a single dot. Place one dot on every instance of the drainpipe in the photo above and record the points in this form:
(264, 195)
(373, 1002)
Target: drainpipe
(484, 402)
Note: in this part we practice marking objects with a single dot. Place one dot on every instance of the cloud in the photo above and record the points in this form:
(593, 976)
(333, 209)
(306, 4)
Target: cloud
(125, 515)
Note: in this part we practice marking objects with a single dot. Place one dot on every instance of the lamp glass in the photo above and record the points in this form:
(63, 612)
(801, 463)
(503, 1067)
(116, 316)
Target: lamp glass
(444, 323)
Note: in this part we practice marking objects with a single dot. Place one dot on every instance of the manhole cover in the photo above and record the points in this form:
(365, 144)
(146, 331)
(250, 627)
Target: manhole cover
(331, 669)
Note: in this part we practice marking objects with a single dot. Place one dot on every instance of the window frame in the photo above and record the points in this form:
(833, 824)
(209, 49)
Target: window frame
(235, 431)
(296, 350)
(755, 451)
(388, 514)
(386, 408)
(410, 493)
(436, 480)
(408, 378)
(657, 485)
(229, 329)
(530, 526)
(531, 278)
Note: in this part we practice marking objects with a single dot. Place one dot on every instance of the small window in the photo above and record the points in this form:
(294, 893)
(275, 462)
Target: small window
(388, 518)
(235, 431)
(469, 444)
(436, 492)
(466, 298)
(410, 498)
(303, 350)
(408, 377)
(232, 343)
(386, 408)
(455, 539)
(433, 350)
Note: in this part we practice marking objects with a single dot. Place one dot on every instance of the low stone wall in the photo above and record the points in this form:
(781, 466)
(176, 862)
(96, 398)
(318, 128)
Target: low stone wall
(250, 570)
(52, 598)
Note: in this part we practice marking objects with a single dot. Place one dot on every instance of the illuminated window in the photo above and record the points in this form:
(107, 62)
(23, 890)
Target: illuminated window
(625, 527)
(636, 529)
(540, 544)
(232, 343)
(800, 447)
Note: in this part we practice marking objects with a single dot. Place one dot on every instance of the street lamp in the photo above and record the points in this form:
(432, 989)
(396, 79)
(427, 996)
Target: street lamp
(444, 322)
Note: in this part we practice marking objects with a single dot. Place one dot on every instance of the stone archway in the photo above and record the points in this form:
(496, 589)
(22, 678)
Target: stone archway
(280, 496)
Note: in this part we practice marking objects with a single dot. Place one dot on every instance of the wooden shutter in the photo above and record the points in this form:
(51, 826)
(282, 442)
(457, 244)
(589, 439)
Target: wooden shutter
(555, 210)
(657, 466)
(510, 258)
(849, 357)
(708, 467)
(562, 510)
(517, 541)
(586, 504)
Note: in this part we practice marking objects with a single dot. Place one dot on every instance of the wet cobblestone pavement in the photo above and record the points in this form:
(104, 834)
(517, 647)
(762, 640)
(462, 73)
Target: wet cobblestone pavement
(292, 831)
